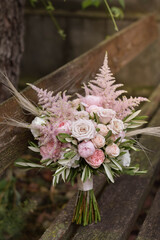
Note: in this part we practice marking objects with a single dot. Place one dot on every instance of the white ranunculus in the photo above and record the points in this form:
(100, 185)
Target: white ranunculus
(125, 159)
(116, 126)
(81, 114)
(35, 124)
(106, 115)
(83, 129)
(73, 162)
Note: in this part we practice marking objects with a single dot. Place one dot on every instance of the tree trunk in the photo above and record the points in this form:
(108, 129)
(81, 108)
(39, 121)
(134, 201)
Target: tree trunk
(11, 41)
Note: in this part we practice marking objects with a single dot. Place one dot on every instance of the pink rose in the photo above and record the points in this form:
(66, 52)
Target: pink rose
(64, 127)
(112, 150)
(86, 149)
(92, 100)
(50, 150)
(98, 141)
(103, 129)
(96, 159)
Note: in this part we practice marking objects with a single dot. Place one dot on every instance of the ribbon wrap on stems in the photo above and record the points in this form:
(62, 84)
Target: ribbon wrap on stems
(86, 210)
(85, 186)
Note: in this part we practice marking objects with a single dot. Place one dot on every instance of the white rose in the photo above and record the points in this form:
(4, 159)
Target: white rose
(116, 126)
(35, 124)
(106, 115)
(83, 129)
(98, 141)
(81, 114)
(112, 150)
(103, 129)
(125, 159)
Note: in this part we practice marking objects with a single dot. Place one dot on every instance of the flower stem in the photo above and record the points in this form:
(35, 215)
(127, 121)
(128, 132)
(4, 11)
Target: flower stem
(111, 14)
(86, 210)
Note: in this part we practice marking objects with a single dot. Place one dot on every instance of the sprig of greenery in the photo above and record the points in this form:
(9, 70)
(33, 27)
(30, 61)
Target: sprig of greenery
(115, 12)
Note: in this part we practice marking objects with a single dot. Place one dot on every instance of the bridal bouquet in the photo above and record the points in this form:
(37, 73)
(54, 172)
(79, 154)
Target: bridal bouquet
(80, 138)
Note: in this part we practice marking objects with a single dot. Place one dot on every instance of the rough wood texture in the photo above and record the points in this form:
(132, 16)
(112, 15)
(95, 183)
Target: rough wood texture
(150, 229)
(11, 40)
(122, 48)
(121, 202)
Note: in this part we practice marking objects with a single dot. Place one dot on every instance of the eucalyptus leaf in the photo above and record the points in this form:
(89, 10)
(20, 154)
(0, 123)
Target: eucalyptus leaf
(108, 172)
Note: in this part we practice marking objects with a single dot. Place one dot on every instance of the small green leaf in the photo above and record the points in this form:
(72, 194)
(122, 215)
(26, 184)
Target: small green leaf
(108, 172)
(117, 12)
(88, 3)
(117, 164)
(28, 164)
(83, 174)
(132, 116)
(109, 134)
(122, 3)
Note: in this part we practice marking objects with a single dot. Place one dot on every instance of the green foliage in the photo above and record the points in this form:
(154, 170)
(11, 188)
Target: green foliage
(13, 212)
(47, 4)
(88, 3)
(115, 12)
(122, 3)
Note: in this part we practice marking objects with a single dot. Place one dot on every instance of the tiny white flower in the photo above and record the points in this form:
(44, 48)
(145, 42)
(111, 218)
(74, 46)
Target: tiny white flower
(125, 159)
(35, 124)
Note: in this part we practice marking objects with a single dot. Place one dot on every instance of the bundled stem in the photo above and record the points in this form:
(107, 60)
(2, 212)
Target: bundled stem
(86, 211)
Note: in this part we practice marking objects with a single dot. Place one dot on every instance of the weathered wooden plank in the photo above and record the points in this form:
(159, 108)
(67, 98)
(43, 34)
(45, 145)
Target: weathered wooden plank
(150, 229)
(122, 48)
(62, 226)
(121, 202)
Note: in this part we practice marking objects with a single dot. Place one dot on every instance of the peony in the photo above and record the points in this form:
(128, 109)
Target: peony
(81, 114)
(86, 149)
(125, 159)
(103, 129)
(35, 126)
(96, 159)
(92, 100)
(98, 141)
(116, 126)
(51, 150)
(112, 150)
(106, 115)
(64, 127)
(83, 129)
(93, 109)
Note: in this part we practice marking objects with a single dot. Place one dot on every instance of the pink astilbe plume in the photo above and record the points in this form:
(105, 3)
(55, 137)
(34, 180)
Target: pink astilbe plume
(49, 144)
(58, 106)
(105, 87)
(125, 106)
